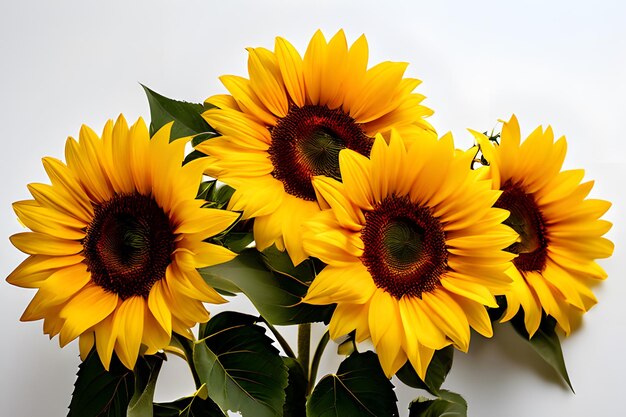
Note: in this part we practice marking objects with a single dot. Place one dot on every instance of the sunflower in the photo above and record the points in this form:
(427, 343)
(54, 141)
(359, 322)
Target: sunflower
(115, 243)
(560, 229)
(413, 247)
(289, 122)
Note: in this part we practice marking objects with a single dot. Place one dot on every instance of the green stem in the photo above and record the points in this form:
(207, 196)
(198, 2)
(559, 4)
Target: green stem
(315, 363)
(187, 346)
(304, 347)
(281, 340)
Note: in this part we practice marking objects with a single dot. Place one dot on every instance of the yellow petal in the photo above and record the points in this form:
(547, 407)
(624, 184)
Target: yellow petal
(420, 357)
(188, 282)
(86, 309)
(356, 175)
(58, 200)
(64, 283)
(38, 308)
(262, 199)
(345, 243)
(240, 128)
(46, 223)
(66, 182)
(375, 98)
(83, 162)
(208, 254)
(129, 319)
(85, 343)
(159, 308)
(139, 149)
(418, 326)
(564, 283)
(223, 101)
(477, 315)
(334, 193)
(313, 63)
(448, 316)
(348, 317)
(246, 98)
(351, 284)
(333, 71)
(357, 67)
(209, 221)
(268, 231)
(184, 310)
(154, 337)
(293, 213)
(468, 289)
(386, 329)
(266, 81)
(41, 244)
(106, 334)
(290, 64)
(36, 268)
(521, 295)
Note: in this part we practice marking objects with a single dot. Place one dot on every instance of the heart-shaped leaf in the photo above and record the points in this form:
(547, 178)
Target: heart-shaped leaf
(449, 404)
(101, 393)
(197, 405)
(240, 367)
(360, 388)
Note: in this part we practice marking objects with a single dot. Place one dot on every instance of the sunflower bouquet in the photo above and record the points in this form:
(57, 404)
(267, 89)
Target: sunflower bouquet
(318, 190)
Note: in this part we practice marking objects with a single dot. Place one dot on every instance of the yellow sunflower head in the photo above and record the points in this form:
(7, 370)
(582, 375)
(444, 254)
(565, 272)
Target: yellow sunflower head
(560, 230)
(291, 118)
(414, 249)
(116, 239)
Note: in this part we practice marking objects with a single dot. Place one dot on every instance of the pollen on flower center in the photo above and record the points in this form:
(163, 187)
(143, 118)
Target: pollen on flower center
(405, 250)
(527, 221)
(128, 245)
(306, 143)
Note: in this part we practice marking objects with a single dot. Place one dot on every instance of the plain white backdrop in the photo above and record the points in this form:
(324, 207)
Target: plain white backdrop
(563, 63)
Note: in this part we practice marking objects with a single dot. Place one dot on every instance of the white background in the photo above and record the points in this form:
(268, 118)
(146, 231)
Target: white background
(64, 63)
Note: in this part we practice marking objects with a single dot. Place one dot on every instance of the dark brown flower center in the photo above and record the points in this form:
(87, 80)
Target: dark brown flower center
(405, 247)
(527, 221)
(128, 245)
(306, 142)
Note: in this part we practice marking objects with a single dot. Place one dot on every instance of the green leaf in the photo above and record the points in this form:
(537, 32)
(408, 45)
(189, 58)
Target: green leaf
(146, 373)
(223, 194)
(101, 393)
(198, 139)
(360, 388)
(206, 189)
(195, 154)
(186, 116)
(436, 374)
(546, 343)
(496, 313)
(238, 241)
(240, 367)
(193, 406)
(295, 393)
(217, 196)
(449, 404)
(276, 295)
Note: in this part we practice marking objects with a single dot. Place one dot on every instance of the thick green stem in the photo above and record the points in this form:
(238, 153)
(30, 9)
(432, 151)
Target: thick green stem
(315, 363)
(281, 340)
(304, 347)
(187, 346)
